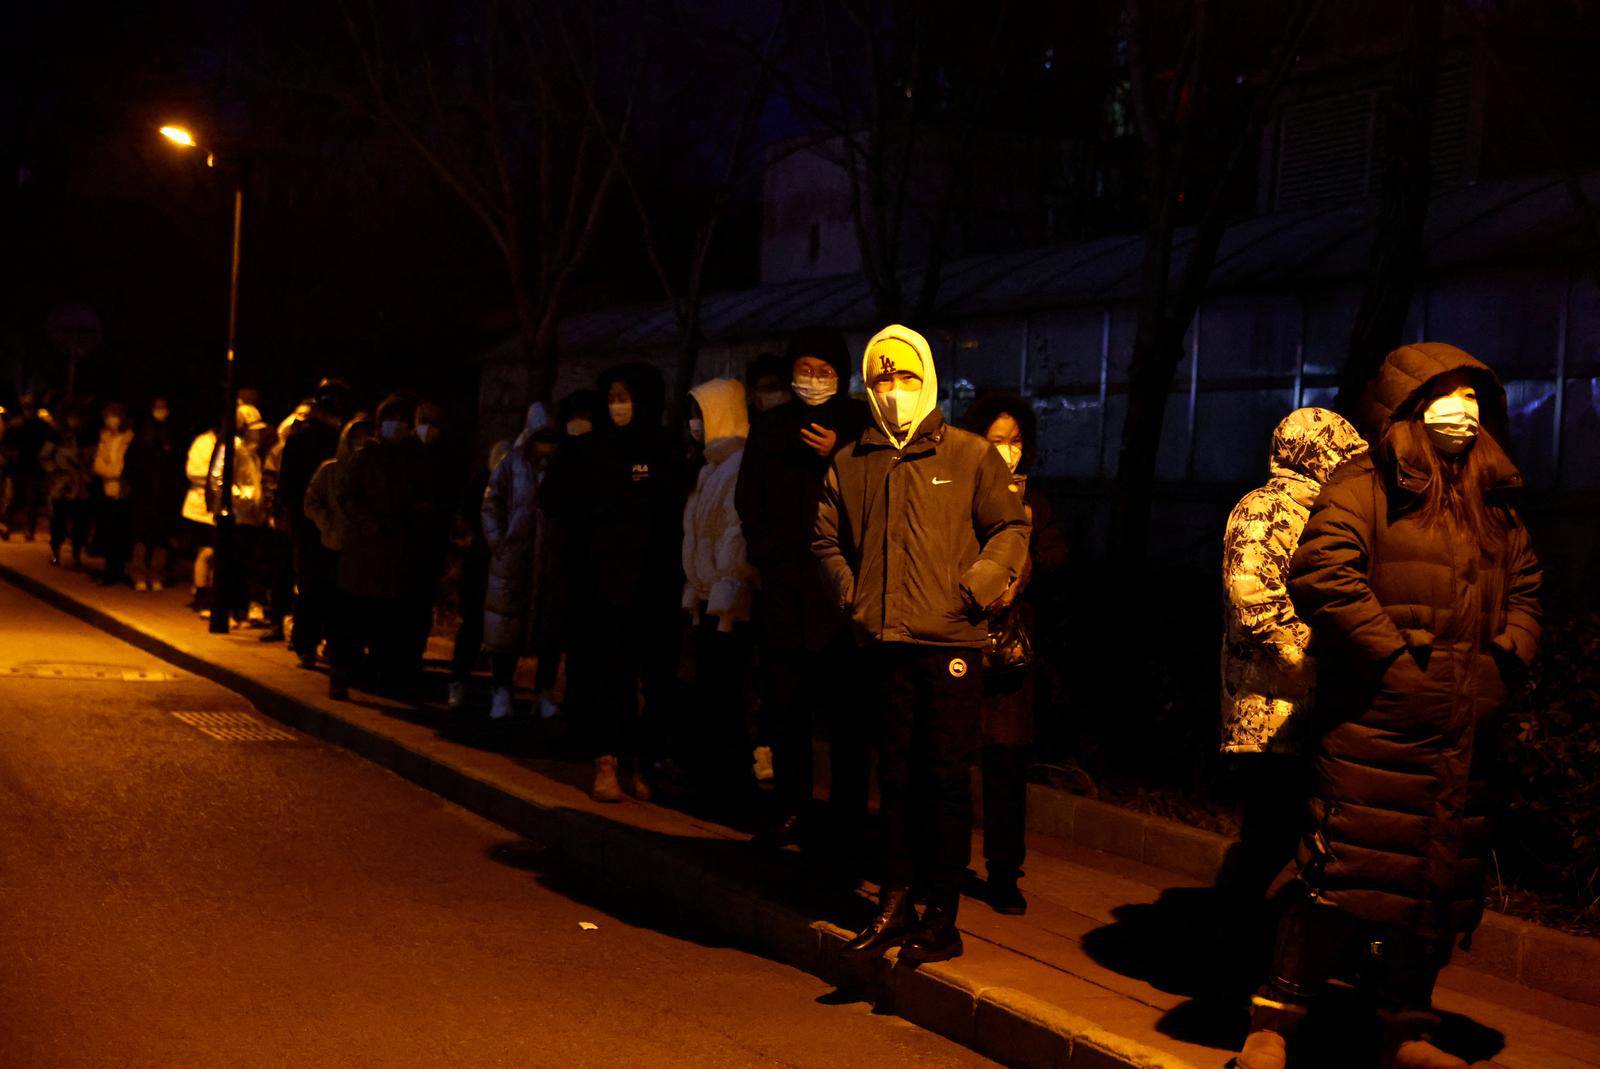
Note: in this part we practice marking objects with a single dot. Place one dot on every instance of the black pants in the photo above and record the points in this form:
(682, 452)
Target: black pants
(373, 633)
(28, 499)
(1272, 810)
(469, 635)
(114, 536)
(1316, 941)
(722, 734)
(606, 667)
(802, 691)
(69, 520)
(929, 700)
(316, 570)
(1005, 808)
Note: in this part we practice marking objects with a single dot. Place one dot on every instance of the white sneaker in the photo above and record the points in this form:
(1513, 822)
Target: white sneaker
(140, 586)
(763, 764)
(157, 586)
(548, 708)
(501, 707)
(458, 696)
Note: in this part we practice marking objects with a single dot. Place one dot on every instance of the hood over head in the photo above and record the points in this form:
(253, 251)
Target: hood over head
(723, 406)
(897, 347)
(497, 452)
(644, 384)
(1311, 443)
(1399, 390)
(539, 424)
(990, 405)
(360, 424)
(825, 343)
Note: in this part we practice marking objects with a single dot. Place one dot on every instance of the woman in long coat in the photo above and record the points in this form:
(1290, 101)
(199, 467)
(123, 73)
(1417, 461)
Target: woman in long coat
(1421, 588)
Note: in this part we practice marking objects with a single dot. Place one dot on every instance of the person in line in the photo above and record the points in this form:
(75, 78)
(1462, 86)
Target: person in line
(1268, 671)
(112, 534)
(197, 524)
(718, 591)
(510, 518)
(67, 463)
(766, 383)
(807, 655)
(24, 442)
(1421, 587)
(579, 413)
(311, 443)
(378, 500)
(277, 547)
(319, 576)
(155, 478)
(920, 536)
(616, 492)
(1007, 422)
(474, 584)
(241, 594)
(438, 485)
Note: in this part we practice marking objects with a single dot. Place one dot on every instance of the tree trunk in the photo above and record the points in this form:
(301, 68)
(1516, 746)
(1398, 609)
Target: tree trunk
(1402, 206)
(1156, 356)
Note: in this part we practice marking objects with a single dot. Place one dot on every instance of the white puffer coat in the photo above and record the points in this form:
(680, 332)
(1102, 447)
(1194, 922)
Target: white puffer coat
(513, 528)
(717, 571)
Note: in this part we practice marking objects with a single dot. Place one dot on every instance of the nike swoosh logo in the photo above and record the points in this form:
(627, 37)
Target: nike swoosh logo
(942, 482)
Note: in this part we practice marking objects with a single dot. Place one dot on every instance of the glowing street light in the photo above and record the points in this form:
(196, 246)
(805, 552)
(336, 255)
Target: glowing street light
(222, 579)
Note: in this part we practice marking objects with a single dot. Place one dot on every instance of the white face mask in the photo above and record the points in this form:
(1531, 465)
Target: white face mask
(815, 391)
(899, 407)
(1011, 453)
(766, 399)
(577, 428)
(621, 412)
(1452, 423)
(427, 432)
(113, 424)
(393, 430)
(697, 429)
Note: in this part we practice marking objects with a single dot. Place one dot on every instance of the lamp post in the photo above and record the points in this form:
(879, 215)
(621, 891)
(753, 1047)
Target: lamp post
(224, 554)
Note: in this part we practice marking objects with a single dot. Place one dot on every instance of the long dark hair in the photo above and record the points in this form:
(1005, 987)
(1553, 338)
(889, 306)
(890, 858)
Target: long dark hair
(1458, 488)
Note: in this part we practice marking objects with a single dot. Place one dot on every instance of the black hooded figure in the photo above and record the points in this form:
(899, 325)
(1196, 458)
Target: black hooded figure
(808, 656)
(616, 493)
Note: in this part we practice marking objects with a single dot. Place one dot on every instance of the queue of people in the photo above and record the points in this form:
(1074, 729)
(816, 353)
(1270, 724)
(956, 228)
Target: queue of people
(804, 564)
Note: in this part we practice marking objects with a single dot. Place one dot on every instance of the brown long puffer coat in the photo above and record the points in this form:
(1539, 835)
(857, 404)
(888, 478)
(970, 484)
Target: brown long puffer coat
(1416, 626)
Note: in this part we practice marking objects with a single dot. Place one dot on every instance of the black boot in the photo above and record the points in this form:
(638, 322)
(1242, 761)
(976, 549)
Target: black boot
(1003, 895)
(937, 938)
(894, 922)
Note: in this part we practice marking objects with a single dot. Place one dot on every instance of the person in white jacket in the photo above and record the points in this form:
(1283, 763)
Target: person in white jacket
(718, 587)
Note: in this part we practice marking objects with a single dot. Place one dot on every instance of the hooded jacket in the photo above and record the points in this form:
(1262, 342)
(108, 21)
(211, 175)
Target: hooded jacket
(197, 470)
(716, 569)
(1414, 626)
(109, 457)
(66, 464)
(918, 538)
(378, 499)
(320, 503)
(1268, 675)
(617, 493)
(513, 532)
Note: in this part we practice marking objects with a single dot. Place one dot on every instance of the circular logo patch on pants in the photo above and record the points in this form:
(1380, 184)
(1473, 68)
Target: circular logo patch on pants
(958, 667)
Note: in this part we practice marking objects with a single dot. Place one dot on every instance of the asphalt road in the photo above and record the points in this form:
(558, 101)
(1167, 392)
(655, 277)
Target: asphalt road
(171, 899)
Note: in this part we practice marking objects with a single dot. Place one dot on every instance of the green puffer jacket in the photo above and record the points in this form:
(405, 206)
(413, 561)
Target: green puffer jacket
(918, 542)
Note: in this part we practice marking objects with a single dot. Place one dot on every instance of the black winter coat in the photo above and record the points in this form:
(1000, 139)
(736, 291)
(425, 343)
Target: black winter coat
(920, 541)
(1416, 628)
(780, 485)
(308, 444)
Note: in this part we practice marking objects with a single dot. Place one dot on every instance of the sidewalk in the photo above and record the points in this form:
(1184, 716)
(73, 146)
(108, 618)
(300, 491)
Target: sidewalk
(1114, 964)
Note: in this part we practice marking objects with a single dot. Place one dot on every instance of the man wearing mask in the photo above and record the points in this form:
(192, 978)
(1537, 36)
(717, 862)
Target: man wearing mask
(808, 657)
(766, 383)
(920, 536)
(309, 443)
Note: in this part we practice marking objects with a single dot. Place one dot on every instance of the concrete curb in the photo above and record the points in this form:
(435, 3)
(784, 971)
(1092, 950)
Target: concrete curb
(1008, 1025)
(1504, 947)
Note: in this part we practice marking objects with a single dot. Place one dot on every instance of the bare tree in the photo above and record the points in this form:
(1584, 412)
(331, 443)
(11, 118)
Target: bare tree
(493, 102)
(1193, 150)
(1402, 202)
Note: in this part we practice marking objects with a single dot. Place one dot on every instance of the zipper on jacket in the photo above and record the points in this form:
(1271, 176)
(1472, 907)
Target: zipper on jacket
(888, 513)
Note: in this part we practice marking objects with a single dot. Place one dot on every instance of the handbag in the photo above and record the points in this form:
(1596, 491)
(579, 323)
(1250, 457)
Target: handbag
(1010, 645)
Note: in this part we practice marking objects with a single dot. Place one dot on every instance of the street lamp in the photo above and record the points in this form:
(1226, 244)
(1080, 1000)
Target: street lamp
(221, 582)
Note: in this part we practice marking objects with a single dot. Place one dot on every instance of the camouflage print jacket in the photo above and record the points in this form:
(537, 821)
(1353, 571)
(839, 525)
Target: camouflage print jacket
(1267, 673)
